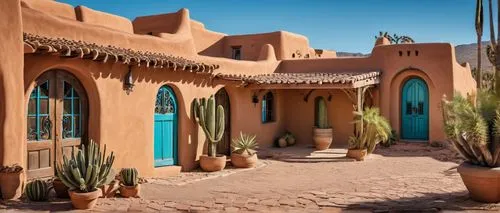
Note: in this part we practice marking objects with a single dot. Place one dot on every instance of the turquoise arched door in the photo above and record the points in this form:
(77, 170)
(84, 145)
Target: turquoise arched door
(415, 110)
(165, 129)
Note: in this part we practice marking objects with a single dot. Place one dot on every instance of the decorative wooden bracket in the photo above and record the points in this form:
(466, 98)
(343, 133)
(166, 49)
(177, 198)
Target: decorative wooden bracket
(306, 97)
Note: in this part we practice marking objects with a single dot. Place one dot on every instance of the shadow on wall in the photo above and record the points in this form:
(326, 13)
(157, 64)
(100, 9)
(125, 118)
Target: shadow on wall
(2, 118)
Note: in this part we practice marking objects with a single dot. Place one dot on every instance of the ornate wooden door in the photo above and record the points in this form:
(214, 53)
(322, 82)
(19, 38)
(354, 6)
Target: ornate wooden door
(165, 128)
(57, 110)
(224, 146)
(415, 110)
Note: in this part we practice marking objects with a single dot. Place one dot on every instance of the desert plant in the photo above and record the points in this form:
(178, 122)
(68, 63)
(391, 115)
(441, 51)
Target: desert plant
(37, 190)
(14, 168)
(87, 169)
(373, 129)
(479, 33)
(244, 144)
(393, 138)
(290, 139)
(474, 129)
(110, 177)
(211, 121)
(129, 176)
(321, 114)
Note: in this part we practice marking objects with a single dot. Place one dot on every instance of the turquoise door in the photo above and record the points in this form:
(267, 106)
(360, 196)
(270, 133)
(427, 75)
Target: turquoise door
(415, 110)
(165, 129)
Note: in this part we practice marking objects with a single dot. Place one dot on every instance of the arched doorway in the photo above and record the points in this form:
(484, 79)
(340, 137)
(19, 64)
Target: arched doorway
(224, 146)
(57, 121)
(165, 128)
(415, 110)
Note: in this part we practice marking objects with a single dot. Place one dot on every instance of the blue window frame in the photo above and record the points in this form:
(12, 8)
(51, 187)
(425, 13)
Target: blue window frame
(71, 122)
(39, 124)
(268, 108)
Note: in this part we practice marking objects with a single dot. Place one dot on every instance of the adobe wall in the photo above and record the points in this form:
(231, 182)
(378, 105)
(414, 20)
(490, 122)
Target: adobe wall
(207, 42)
(12, 128)
(51, 7)
(299, 115)
(124, 123)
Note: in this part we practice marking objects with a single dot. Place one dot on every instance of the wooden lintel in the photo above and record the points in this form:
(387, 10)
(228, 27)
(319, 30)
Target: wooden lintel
(300, 86)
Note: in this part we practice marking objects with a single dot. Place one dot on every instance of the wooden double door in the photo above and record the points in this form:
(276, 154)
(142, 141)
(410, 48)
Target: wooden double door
(415, 110)
(57, 121)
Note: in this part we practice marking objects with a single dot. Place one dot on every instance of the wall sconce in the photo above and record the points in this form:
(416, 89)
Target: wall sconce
(128, 81)
(255, 99)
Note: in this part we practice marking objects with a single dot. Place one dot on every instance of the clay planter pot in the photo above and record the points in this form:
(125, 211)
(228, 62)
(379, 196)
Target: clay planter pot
(322, 138)
(244, 161)
(358, 154)
(109, 190)
(60, 188)
(130, 191)
(11, 185)
(212, 164)
(483, 183)
(84, 200)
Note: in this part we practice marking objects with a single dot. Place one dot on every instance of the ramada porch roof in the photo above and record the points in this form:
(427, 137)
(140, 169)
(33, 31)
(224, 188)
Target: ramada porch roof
(307, 80)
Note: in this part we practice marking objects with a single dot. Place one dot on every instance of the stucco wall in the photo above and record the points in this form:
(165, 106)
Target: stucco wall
(12, 133)
(51, 7)
(90, 16)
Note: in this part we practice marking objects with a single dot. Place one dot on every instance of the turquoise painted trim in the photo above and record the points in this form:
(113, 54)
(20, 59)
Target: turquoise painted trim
(165, 131)
(415, 110)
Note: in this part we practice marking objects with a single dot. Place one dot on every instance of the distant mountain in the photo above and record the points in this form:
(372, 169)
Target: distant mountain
(464, 53)
(468, 53)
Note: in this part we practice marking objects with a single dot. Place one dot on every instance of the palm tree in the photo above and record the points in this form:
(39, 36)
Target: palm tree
(479, 32)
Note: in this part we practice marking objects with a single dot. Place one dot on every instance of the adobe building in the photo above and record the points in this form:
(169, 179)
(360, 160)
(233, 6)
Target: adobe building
(68, 75)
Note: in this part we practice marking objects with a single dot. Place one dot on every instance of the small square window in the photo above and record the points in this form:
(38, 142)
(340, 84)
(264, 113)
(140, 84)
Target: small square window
(236, 53)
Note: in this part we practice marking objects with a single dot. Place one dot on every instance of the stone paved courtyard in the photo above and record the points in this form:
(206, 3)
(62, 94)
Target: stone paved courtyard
(404, 177)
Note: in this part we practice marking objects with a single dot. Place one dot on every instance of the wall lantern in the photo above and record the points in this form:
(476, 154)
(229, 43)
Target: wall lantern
(255, 99)
(128, 81)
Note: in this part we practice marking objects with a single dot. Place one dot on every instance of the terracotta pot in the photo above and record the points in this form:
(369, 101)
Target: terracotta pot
(84, 200)
(130, 191)
(244, 161)
(212, 164)
(358, 154)
(109, 190)
(60, 188)
(11, 185)
(322, 138)
(483, 183)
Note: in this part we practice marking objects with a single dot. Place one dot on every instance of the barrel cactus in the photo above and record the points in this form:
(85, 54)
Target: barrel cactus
(211, 121)
(130, 176)
(321, 114)
(86, 170)
(37, 190)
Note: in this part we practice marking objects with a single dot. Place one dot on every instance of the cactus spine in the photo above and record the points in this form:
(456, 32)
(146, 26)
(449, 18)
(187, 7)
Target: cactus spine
(37, 190)
(211, 121)
(86, 170)
(321, 115)
(130, 176)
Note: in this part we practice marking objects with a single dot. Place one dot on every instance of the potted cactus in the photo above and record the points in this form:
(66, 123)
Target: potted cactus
(84, 172)
(322, 132)
(110, 186)
(130, 186)
(37, 190)
(244, 154)
(11, 181)
(211, 120)
(371, 129)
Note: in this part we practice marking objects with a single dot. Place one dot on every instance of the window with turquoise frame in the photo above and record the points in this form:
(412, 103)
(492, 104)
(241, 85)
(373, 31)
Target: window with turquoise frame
(72, 122)
(39, 124)
(268, 108)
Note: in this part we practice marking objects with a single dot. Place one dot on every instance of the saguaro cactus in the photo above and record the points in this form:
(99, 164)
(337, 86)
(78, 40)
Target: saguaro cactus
(321, 115)
(210, 120)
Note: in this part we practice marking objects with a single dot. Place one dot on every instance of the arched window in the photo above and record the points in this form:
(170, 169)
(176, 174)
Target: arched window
(268, 108)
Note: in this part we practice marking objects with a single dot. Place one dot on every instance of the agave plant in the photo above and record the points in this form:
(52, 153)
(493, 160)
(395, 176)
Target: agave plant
(85, 170)
(372, 129)
(244, 144)
(474, 129)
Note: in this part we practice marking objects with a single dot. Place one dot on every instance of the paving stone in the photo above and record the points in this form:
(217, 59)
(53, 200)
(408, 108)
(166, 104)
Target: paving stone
(232, 209)
(269, 202)
(198, 209)
(288, 202)
(182, 207)
(222, 201)
(253, 200)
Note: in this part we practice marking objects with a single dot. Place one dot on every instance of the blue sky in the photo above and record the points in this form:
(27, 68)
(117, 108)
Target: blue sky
(342, 25)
